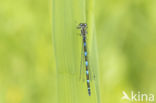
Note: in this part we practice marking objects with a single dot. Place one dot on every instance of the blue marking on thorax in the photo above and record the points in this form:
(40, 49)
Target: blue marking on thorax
(85, 53)
(86, 63)
(87, 81)
(84, 43)
(88, 88)
(87, 72)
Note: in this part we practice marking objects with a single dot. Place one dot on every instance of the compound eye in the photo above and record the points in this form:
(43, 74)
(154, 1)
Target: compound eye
(81, 24)
(85, 24)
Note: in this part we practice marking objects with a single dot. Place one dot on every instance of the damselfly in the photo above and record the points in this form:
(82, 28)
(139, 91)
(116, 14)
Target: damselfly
(83, 27)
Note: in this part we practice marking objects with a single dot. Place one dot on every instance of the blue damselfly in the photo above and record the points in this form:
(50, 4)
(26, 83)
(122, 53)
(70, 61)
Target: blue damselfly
(83, 27)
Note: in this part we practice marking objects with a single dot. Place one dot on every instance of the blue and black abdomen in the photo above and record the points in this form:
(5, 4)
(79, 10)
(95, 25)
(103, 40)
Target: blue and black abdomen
(86, 64)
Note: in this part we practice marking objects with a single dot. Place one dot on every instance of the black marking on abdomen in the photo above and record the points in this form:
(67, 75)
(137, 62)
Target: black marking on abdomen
(86, 64)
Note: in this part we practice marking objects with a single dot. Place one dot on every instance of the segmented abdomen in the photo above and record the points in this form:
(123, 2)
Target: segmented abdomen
(86, 64)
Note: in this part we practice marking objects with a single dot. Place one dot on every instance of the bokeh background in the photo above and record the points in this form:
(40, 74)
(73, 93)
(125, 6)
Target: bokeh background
(126, 38)
(40, 50)
(27, 68)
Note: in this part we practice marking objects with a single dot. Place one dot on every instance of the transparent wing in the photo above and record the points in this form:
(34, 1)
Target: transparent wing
(82, 69)
(91, 69)
(92, 74)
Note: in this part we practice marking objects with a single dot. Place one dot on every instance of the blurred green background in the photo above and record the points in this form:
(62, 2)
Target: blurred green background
(126, 38)
(40, 50)
(27, 67)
